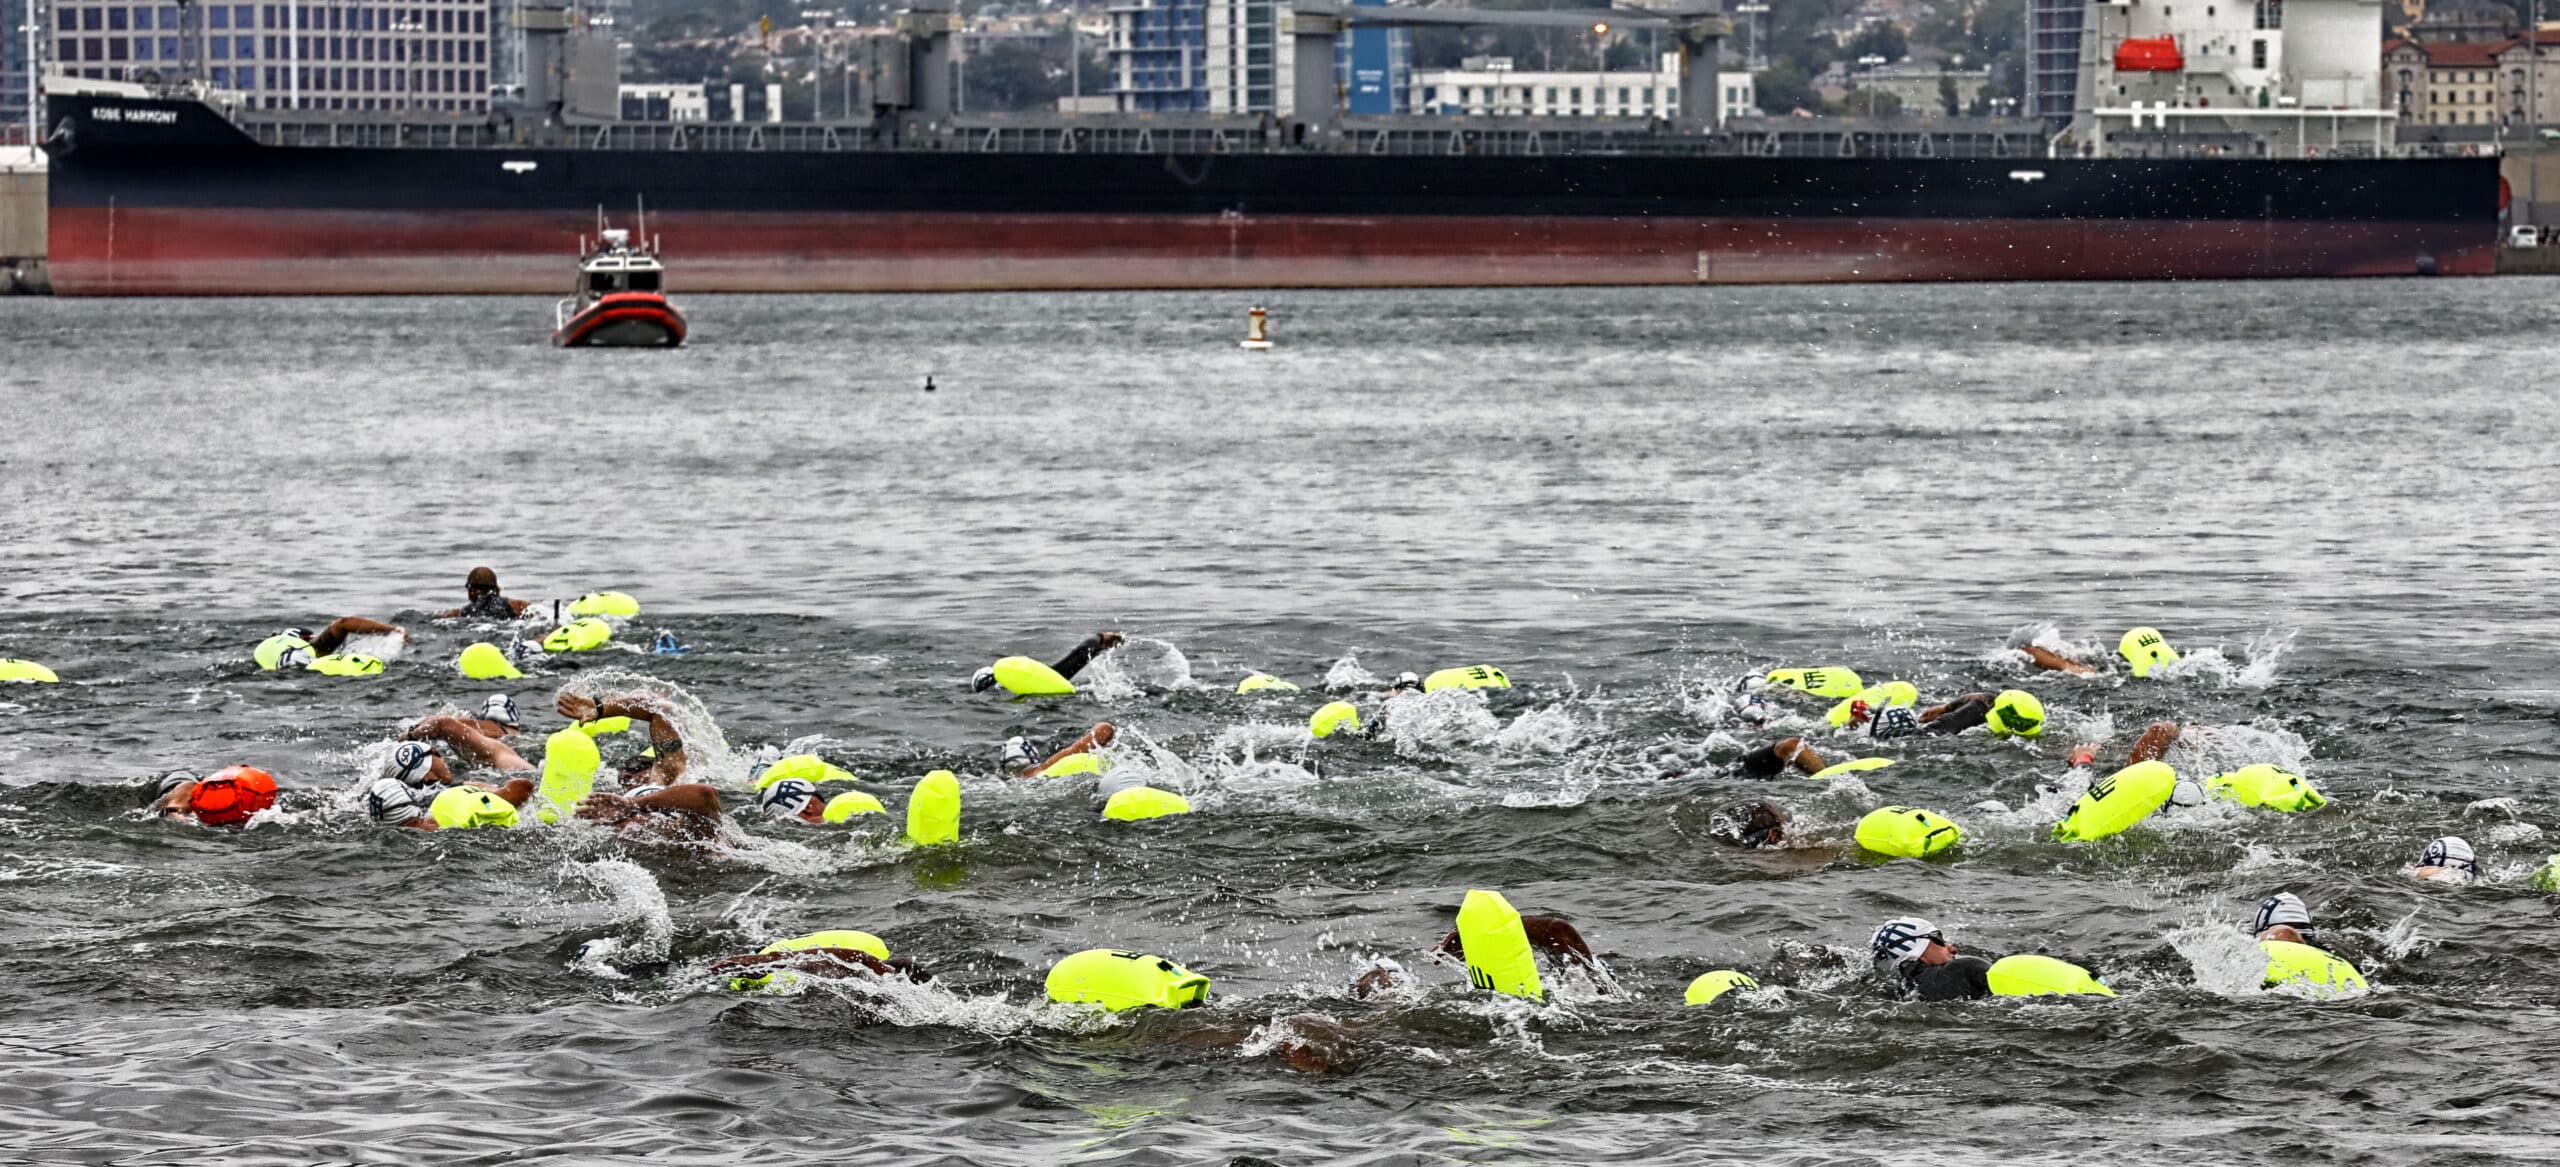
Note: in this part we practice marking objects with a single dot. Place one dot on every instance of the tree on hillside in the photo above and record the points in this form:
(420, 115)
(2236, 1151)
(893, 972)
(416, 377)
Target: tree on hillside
(1785, 87)
(1880, 39)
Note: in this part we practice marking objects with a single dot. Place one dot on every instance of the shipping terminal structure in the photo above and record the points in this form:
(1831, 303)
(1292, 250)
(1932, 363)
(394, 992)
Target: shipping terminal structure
(2208, 141)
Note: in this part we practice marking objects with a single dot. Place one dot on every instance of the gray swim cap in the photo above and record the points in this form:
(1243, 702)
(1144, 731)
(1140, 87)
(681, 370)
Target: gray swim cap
(2284, 907)
(411, 762)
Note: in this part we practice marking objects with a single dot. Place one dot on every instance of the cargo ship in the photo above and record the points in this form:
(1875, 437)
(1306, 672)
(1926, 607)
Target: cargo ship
(167, 193)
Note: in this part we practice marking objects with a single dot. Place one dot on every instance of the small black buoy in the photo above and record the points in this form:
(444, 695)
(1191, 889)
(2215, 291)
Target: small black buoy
(928, 382)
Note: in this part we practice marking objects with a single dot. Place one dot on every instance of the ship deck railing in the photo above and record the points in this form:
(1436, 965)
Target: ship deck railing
(1193, 135)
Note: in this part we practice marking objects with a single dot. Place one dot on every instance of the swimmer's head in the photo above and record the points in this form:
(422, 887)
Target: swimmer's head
(1405, 683)
(1750, 824)
(1859, 713)
(391, 802)
(1383, 975)
(797, 797)
(1756, 709)
(1904, 938)
(413, 762)
(2283, 908)
(481, 582)
(982, 680)
(175, 779)
(2453, 853)
(1894, 721)
(500, 708)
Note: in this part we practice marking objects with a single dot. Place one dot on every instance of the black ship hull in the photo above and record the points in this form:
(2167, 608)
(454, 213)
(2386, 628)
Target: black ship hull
(166, 197)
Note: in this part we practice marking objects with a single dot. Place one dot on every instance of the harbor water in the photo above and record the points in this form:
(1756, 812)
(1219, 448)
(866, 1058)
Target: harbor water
(2335, 497)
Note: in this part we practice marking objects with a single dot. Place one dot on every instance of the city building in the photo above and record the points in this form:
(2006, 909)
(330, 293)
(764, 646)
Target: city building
(1921, 89)
(2450, 83)
(1490, 87)
(1249, 62)
(17, 26)
(1159, 55)
(2274, 78)
(415, 55)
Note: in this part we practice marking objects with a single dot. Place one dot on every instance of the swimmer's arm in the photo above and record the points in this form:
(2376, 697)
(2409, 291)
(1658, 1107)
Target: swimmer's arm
(2154, 742)
(1935, 712)
(1099, 737)
(468, 741)
(335, 635)
(1559, 939)
(2049, 660)
(1081, 655)
(1797, 754)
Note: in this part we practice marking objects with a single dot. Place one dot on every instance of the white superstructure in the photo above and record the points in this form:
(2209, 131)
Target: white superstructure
(2274, 78)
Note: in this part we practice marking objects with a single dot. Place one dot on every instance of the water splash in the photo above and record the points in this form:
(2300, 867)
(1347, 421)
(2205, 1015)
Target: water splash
(1427, 724)
(707, 755)
(1142, 664)
(635, 900)
(1346, 674)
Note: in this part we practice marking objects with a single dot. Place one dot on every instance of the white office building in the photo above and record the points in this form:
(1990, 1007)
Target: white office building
(1490, 87)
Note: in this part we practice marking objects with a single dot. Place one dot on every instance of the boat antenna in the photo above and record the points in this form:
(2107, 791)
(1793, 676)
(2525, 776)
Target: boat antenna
(643, 232)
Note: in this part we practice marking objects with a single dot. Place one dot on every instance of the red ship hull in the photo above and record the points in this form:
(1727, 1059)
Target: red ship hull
(624, 320)
(188, 251)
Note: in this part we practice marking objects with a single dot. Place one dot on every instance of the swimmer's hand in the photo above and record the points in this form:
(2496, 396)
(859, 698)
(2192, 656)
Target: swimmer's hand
(579, 707)
(1107, 639)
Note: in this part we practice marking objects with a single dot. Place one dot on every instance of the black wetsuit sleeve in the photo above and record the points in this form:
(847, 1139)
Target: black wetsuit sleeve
(1078, 657)
(1964, 978)
(1763, 762)
(1973, 710)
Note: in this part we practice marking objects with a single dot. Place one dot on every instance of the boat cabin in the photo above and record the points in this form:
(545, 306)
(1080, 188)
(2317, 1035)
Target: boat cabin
(617, 266)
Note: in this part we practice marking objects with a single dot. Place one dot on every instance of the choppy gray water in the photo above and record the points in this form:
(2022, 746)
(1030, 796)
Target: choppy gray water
(2336, 497)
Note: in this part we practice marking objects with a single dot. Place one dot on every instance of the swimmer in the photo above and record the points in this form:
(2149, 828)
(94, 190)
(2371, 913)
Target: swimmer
(230, 797)
(481, 599)
(1760, 824)
(2448, 860)
(2283, 916)
(2010, 711)
(1067, 667)
(1925, 966)
(1023, 760)
(497, 716)
(2152, 746)
(665, 761)
(1549, 934)
(296, 647)
(833, 964)
(1771, 760)
(2054, 662)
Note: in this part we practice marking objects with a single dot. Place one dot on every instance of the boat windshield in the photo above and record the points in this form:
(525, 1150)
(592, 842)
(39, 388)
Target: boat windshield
(644, 281)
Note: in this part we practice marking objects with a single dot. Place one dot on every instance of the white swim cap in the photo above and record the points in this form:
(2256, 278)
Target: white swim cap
(391, 802)
(2284, 907)
(2451, 851)
(1904, 938)
(982, 680)
(500, 708)
(411, 762)
(787, 796)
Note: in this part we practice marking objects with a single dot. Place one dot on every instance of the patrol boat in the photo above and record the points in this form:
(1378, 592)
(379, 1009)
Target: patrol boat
(621, 300)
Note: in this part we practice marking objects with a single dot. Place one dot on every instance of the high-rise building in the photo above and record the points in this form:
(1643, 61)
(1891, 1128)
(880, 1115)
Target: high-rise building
(2052, 59)
(1159, 55)
(16, 17)
(1249, 61)
(418, 55)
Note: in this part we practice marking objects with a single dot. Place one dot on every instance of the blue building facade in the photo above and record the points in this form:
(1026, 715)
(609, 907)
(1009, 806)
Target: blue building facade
(1159, 55)
(1374, 67)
